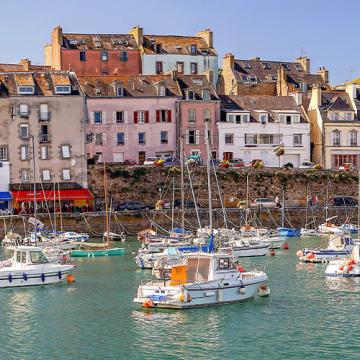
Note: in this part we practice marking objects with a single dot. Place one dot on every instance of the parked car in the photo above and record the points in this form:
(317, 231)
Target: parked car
(236, 163)
(343, 201)
(170, 162)
(129, 162)
(306, 165)
(133, 205)
(150, 161)
(347, 167)
(263, 202)
(177, 204)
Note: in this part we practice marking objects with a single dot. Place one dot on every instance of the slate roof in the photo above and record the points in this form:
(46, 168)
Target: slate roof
(196, 83)
(20, 68)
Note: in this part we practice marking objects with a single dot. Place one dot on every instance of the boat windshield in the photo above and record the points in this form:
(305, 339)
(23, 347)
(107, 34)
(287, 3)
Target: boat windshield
(198, 269)
(37, 257)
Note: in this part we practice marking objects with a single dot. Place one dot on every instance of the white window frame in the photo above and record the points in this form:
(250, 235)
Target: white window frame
(4, 153)
(24, 110)
(141, 117)
(25, 175)
(45, 175)
(232, 138)
(24, 126)
(63, 89)
(65, 151)
(24, 152)
(44, 112)
(66, 174)
(265, 119)
(26, 90)
(296, 138)
(44, 152)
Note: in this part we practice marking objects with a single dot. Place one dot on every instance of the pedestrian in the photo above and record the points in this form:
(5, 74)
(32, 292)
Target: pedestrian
(314, 200)
(277, 201)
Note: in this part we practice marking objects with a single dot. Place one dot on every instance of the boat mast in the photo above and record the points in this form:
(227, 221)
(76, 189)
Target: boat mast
(247, 199)
(106, 207)
(182, 182)
(327, 196)
(54, 186)
(173, 204)
(60, 210)
(34, 184)
(307, 204)
(358, 217)
(283, 207)
(208, 158)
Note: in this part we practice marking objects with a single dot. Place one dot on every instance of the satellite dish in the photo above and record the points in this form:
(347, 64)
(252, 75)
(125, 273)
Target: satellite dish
(73, 162)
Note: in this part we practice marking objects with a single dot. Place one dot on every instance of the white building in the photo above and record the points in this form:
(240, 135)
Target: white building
(252, 126)
(188, 55)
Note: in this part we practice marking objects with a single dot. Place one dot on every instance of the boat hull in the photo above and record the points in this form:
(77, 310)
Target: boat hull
(288, 232)
(95, 253)
(335, 269)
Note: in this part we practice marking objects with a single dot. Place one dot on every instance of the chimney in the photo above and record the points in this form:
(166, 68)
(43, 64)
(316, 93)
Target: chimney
(57, 36)
(26, 64)
(304, 61)
(256, 58)
(298, 96)
(324, 73)
(281, 83)
(207, 35)
(228, 61)
(351, 89)
(315, 100)
(138, 34)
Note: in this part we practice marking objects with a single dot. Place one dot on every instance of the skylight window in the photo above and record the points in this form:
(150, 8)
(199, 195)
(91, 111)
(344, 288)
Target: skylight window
(26, 90)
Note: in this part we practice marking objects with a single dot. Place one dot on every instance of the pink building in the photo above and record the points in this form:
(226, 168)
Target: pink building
(199, 104)
(131, 118)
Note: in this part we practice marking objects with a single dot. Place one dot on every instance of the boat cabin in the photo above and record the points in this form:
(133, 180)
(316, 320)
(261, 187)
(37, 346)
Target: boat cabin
(27, 255)
(337, 242)
(202, 267)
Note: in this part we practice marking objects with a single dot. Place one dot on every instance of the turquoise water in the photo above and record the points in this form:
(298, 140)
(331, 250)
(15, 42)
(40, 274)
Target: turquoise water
(306, 317)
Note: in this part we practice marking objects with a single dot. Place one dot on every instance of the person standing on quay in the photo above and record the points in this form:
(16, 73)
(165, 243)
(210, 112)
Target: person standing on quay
(277, 201)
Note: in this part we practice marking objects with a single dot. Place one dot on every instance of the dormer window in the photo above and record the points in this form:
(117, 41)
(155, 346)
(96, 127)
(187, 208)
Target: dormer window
(190, 95)
(104, 56)
(285, 66)
(26, 90)
(206, 94)
(193, 49)
(62, 89)
(263, 118)
(247, 65)
(298, 67)
(120, 91)
(266, 66)
(157, 48)
(162, 90)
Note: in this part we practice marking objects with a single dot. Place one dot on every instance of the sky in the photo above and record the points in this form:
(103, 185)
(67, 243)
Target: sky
(324, 30)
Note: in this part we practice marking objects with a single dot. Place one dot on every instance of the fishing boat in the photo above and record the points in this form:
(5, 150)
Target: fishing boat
(29, 266)
(347, 267)
(288, 232)
(204, 280)
(338, 247)
(246, 247)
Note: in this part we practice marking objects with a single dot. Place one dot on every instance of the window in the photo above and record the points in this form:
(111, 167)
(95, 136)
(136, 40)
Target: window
(163, 137)
(342, 159)
(157, 48)
(206, 94)
(229, 138)
(298, 67)
(190, 95)
(141, 117)
(288, 119)
(98, 139)
(285, 66)
(24, 110)
(224, 263)
(192, 137)
(66, 174)
(180, 67)
(297, 139)
(120, 91)
(162, 90)
(37, 257)
(82, 55)
(266, 66)
(24, 131)
(239, 118)
(25, 175)
(97, 117)
(119, 117)
(124, 56)
(24, 152)
(44, 155)
(193, 68)
(44, 133)
(65, 151)
(247, 65)
(263, 139)
(26, 90)
(159, 67)
(263, 118)
(163, 115)
(250, 139)
(46, 175)
(104, 56)
(353, 138)
(120, 138)
(193, 49)
(63, 89)
(141, 138)
(44, 112)
(207, 115)
(4, 153)
(191, 115)
(335, 138)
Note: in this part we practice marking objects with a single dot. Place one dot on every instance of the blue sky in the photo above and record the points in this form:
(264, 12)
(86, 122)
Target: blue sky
(324, 30)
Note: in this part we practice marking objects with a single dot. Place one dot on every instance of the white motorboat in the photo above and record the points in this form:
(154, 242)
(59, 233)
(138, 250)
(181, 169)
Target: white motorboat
(246, 247)
(276, 242)
(28, 266)
(328, 228)
(347, 267)
(204, 280)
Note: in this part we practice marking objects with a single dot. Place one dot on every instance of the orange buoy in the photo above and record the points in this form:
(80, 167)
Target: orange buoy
(350, 267)
(272, 252)
(70, 278)
(341, 268)
(310, 255)
(286, 246)
(299, 253)
(148, 303)
(240, 269)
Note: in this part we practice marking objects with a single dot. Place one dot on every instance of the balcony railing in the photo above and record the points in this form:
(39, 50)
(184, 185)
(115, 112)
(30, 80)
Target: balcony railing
(43, 138)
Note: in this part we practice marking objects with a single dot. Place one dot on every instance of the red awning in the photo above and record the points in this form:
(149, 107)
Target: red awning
(50, 195)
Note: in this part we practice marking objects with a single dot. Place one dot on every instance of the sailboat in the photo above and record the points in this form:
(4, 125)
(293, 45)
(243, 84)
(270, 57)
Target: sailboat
(99, 249)
(286, 231)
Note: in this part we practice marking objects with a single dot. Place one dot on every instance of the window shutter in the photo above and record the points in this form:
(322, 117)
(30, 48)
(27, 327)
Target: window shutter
(126, 113)
(135, 117)
(332, 136)
(282, 119)
(187, 137)
(296, 119)
(104, 138)
(104, 117)
(114, 117)
(169, 116)
(157, 115)
(92, 117)
(146, 117)
(349, 138)
(115, 138)
(197, 137)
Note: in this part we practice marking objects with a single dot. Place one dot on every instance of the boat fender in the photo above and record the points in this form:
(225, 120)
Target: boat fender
(148, 303)
(350, 267)
(299, 253)
(240, 269)
(324, 260)
(43, 277)
(272, 252)
(189, 298)
(242, 289)
(25, 277)
(59, 275)
(10, 278)
(182, 297)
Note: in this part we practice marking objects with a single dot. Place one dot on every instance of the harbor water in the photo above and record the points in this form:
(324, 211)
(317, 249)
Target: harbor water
(306, 316)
